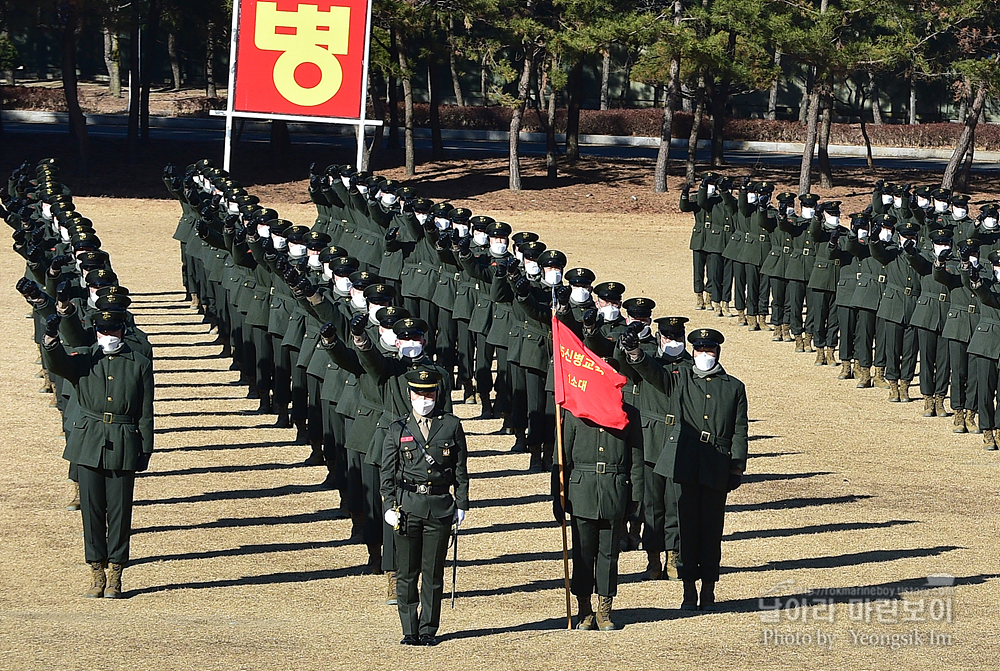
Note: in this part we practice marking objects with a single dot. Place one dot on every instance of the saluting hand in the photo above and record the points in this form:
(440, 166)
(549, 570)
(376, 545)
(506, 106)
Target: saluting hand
(358, 323)
(52, 325)
(328, 331)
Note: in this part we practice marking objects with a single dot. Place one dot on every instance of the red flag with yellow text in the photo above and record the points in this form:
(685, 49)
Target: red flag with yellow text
(586, 385)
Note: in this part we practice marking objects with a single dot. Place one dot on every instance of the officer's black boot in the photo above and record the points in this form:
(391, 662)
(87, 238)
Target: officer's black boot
(283, 421)
(265, 402)
(519, 447)
(547, 449)
(468, 392)
(487, 412)
(301, 432)
(315, 457)
(535, 465)
(707, 601)
(690, 600)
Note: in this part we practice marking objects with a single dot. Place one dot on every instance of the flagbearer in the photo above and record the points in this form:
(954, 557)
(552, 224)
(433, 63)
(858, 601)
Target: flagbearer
(425, 490)
(708, 456)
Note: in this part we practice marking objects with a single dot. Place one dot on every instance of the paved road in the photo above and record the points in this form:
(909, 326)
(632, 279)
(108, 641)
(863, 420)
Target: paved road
(491, 148)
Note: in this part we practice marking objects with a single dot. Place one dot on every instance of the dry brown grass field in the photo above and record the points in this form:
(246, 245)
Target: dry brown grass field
(240, 563)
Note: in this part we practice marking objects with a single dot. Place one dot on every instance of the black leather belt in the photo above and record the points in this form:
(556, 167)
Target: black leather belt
(599, 467)
(107, 417)
(425, 489)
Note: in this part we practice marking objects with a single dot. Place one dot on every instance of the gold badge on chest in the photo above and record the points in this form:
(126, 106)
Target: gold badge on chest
(446, 452)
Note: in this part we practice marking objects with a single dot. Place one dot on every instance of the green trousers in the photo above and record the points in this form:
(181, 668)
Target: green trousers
(421, 554)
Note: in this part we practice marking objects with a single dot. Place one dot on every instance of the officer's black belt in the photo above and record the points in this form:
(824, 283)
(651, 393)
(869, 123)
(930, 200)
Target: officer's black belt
(668, 419)
(707, 437)
(599, 467)
(906, 291)
(107, 417)
(425, 489)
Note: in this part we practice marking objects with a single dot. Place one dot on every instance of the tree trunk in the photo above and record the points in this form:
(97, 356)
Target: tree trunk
(392, 144)
(876, 106)
(434, 89)
(812, 123)
(825, 169)
(77, 121)
(772, 98)
(111, 62)
(175, 62)
(132, 136)
(7, 74)
(456, 82)
(965, 139)
(147, 68)
(518, 114)
(912, 108)
(370, 152)
(406, 76)
(963, 176)
(806, 96)
(868, 145)
(573, 86)
(626, 84)
(549, 121)
(211, 90)
(605, 76)
(666, 126)
(963, 109)
(482, 81)
(699, 112)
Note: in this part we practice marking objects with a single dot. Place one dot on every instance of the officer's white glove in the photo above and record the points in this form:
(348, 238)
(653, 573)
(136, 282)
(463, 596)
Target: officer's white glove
(391, 518)
(459, 517)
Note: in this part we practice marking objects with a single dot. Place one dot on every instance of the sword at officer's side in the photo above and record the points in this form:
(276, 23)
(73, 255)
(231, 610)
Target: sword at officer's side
(454, 564)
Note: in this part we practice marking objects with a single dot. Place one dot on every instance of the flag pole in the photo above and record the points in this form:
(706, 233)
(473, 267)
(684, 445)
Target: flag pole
(562, 483)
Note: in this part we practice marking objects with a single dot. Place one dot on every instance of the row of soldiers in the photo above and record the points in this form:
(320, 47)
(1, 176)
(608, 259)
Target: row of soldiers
(326, 324)
(908, 278)
(96, 362)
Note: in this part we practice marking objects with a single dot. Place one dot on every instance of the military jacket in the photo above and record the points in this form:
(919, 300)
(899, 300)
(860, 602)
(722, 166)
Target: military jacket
(985, 340)
(901, 284)
(963, 304)
(931, 311)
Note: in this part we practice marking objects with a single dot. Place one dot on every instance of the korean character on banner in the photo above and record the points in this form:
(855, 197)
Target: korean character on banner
(823, 609)
(914, 610)
(583, 385)
(589, 364)
(887, 611)
(577, 358)
(566, 353)
(859, 610)
(940, 609)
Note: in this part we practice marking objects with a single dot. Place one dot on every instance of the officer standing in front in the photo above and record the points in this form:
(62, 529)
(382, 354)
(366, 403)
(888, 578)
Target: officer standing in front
(425, 490)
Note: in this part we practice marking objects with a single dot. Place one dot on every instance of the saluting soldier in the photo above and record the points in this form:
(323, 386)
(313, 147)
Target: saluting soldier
(929, 317)
(425, 490)
(901, 288)
(984, 348)
(823, 318)
(963, 318)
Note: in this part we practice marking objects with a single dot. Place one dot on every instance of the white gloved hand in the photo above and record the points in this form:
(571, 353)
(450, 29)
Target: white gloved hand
(459, 517)
(391, 518)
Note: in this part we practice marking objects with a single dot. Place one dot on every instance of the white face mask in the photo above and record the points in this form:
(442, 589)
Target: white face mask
(388, 337)
(109, 343)
(421, 217)
(499, 248)
(422, 405)
(923, 203)
(93, 297)
(46, 212)
(480, 238)
(327, 273)
(885, 235)
(644, 333)
(886, 198)
(280, 243)
(296, 251)
(808, 212)
(996, 273)
(372, 309)
(862, 235)
(940, 248)
(710, 190)
(462, 229)
(579, 294)
(940, 206)
(790, 211)
(66, 237)
(263, 230)
(346, 181)
(362, 189)
(831, 222)
(83, 280)
(233, 208)
(343, 284)
(531, 267)
(974, 261)
(959, 212)
(897, 202)
(610, 312)
(671, 347)
(314, 261)
(704, 361)
(388, 199)
(989, 222)
(410, 348)
(751, 197)
(518, 255)
(441, 223)
(358, 298)
(553, 276)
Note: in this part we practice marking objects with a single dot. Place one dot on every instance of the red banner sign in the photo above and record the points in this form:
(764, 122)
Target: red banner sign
(585, 384)
(301, 58)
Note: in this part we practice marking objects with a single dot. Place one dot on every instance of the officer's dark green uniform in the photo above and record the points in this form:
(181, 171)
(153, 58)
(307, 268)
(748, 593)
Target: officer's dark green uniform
(899, 298)
(823, 320)
(963, 318)
(425, 487)
(111, 439)
(602, 472)
(928, 318)
(984, 348)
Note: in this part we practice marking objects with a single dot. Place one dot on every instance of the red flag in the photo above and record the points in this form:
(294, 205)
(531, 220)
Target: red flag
(586, 385)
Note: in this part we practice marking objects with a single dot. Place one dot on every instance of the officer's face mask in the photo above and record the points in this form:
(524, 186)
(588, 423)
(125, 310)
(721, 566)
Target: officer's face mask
(671, 347)
(421, 217)
(46, 212)
(887, 199)
(989, 223)
(974, 261)
(710, 189)
(644, 333)
(441, 223)
(940, 206)
(410, 348)
(327, 273)
(808, 212)
(579, 294)
(531, 267)
(831, 221)
(751, 197)
(388, 199)
(296, 250)
(358, 298)
(263, 230)
(346, 181)
(897, 201)
(518, 255)
(343, 284)
(923, 203)
(959, 212)
(314, 261)
(373, 308)
(109, 343)
(66, 237)
(83, 279)
(790, 211)
(552, 276)
(461, 229)
(705, 361)
(610, 312)
(498, 246)
(885, 235)
(280, 243)
(362, 189)
(481, 239)
(387, 336)
(422, 405)
(233, 208)
(92, 299)
(940, 248)
(862, 235)
(996, 272)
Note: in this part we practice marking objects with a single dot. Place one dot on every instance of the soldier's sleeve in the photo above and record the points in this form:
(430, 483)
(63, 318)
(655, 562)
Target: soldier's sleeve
(461, 469)
(390, 462)
(374, 363)
(59, 362)
(919, 263)
(765, 219)
(146, 421)
(344, 357)
(73, 333)
(741, 443)
(946, 277)
(633, 442)
(535, 309)
(655, 374)
(879, 252)
(214, 239)
(598, 344)
(987, 294)
(477, 267)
